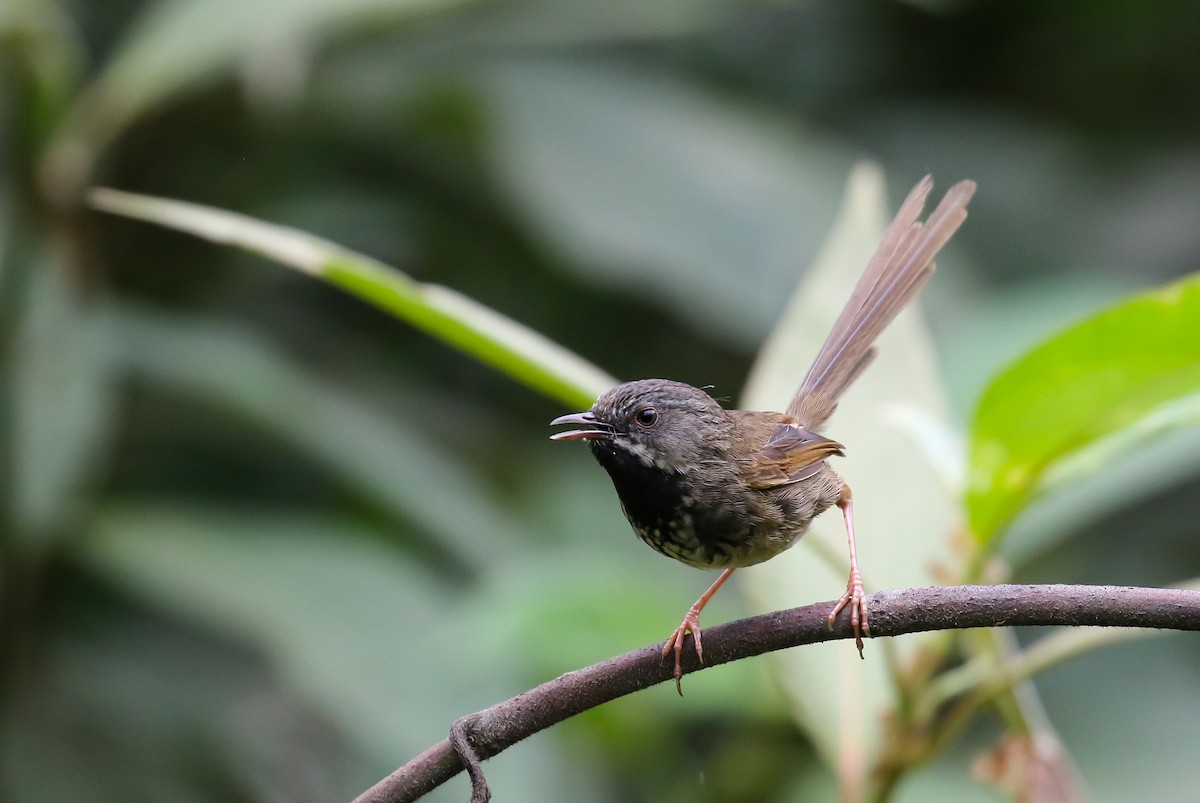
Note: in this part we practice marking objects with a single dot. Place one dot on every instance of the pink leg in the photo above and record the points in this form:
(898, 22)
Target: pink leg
(855, 595)
(691, 621)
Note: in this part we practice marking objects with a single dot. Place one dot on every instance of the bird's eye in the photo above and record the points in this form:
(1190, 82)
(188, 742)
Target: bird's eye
(646, 417)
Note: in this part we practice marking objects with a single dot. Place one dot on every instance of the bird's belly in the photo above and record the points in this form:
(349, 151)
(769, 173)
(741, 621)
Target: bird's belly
(717, 535)
(683, 542)
(780, 516)
(718, 525)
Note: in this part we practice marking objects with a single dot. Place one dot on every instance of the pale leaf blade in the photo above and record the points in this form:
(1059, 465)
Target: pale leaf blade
(468, 326)
(903, 510)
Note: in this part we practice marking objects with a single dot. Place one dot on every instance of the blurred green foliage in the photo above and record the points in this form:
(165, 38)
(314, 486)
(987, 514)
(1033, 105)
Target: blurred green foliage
(259, 541)
(1129, 371)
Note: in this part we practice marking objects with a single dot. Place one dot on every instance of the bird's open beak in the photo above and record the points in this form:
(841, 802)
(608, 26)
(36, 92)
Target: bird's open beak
(595, 429)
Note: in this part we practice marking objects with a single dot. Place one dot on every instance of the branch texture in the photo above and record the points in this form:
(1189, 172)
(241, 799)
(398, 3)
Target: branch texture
(893, 613)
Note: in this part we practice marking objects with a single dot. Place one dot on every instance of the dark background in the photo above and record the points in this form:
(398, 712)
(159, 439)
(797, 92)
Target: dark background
(264, 542)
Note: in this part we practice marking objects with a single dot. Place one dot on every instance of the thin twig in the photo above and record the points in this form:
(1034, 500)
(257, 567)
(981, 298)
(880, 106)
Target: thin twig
(460, 740)
(893, 613)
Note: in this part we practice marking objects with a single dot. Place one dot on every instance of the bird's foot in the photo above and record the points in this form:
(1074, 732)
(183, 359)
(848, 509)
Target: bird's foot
(691, 622)
(856, 598)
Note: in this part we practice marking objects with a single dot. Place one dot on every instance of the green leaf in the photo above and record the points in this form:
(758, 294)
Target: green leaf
(578, 25)
(346, 621)
(43, 45)
(63, 401)
(485, 334)
(648, 183)
(382, 650)
(1151, 690)
(899, 472)
(1110, 383)
(175, 45)
(383, 459)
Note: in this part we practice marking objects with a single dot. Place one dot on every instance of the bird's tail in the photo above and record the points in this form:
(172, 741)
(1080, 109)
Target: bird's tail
(901, 265)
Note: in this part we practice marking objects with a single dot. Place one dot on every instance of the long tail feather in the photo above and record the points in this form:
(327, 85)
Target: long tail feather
(901, 265)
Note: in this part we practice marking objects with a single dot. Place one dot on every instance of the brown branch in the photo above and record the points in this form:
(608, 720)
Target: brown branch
(893, 613)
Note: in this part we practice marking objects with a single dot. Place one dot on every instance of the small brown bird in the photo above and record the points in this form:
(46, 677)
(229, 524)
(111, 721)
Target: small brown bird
(724, 489)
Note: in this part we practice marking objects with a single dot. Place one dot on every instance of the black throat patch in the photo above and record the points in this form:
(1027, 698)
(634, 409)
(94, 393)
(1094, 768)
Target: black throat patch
(665, 513)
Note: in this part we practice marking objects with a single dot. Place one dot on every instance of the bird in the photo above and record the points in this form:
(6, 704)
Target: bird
(716, 488)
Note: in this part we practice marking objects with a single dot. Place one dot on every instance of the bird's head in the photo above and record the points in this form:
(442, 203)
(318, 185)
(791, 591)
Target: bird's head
(661, 423)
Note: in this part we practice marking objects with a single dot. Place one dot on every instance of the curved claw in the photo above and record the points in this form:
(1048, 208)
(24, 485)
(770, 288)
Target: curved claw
(691, 622)
(856, 598)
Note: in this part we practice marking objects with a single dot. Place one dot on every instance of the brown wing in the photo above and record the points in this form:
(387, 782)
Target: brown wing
(792, 453)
